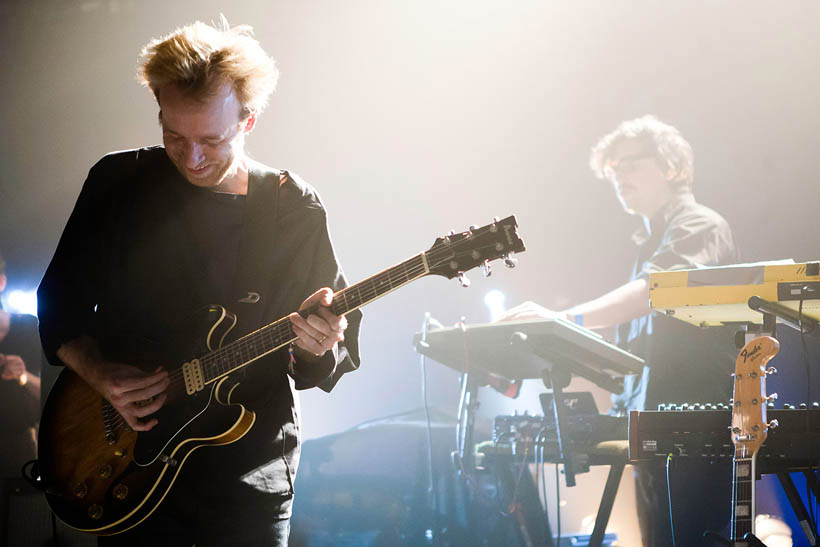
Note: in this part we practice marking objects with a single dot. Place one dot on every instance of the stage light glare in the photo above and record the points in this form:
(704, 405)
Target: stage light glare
(19, 301)
(494, 300)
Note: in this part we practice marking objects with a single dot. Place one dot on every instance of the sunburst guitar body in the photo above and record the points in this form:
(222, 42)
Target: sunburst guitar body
(98, 478)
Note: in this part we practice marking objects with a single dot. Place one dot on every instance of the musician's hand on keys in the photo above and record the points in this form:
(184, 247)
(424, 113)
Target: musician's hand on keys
(322, 330)
(531, 310)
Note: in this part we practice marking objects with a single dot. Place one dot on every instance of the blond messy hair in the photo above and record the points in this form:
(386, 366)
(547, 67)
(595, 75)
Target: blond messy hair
(199, 58)
(663, 140)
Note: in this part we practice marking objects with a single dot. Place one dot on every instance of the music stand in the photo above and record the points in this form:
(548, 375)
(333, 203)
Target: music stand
(550, 349)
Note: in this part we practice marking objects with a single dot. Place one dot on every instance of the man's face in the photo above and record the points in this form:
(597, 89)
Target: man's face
(640, 182)
(204, 140)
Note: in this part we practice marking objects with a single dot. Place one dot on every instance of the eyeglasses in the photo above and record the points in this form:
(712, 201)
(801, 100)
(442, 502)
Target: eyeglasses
(626, 165)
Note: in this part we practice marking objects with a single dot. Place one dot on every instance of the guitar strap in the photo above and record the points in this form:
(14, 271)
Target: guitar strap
(257, 247)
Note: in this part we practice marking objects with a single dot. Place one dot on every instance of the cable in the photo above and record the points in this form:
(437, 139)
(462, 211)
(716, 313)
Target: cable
(803, 290)
(539, 442)
(809, 502)
(669, 495)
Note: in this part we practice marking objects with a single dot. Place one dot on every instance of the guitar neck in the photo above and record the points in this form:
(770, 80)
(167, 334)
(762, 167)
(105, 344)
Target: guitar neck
(266, 340)
(743, 498)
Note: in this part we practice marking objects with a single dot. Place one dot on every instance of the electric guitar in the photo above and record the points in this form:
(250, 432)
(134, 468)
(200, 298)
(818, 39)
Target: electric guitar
(101, 477)
(749, 430)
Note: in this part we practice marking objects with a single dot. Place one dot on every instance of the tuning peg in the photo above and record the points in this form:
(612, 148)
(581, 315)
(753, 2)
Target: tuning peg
(487, 267)
(474, 227)
(494, 225)
(770, 371)
(509, 260)
(803, 406)
(463, 279)
(773, 424)
(772, 397)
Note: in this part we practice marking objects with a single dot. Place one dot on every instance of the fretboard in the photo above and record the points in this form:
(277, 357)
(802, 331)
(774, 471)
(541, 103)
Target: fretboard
(743, 497)
(278, 334)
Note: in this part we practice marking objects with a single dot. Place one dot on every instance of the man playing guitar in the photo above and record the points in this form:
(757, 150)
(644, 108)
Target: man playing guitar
(159, 232)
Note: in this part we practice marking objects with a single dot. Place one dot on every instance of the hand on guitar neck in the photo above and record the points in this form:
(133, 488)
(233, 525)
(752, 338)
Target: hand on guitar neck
(133, 392)
(321, 330)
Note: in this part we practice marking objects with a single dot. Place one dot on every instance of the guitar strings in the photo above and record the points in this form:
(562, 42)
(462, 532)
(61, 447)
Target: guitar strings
(280, 332)
(413, 268)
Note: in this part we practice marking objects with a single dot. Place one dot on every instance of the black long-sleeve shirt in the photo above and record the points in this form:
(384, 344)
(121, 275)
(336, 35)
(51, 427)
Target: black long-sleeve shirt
(143, 249)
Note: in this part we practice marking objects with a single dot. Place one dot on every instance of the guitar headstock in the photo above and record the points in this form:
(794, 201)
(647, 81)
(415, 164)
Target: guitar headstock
(453, 254)
(749, 426)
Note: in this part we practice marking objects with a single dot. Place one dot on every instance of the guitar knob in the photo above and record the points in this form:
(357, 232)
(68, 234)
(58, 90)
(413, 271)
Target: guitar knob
(120, 491)
(770, 371)
(815, 405)
(803, 406)
(95, 512)
(773, 424)
(80, 490)
(105, 471)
